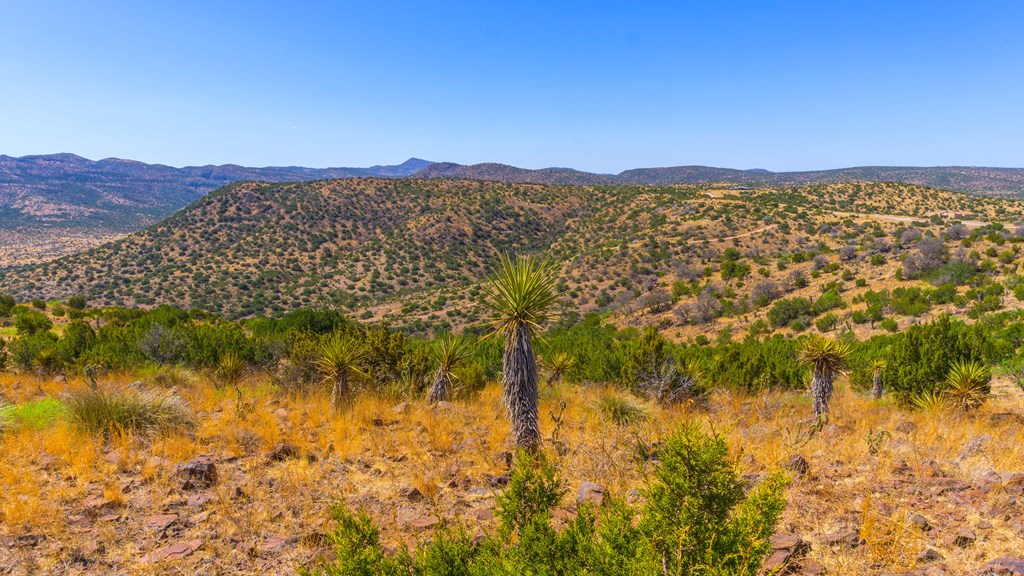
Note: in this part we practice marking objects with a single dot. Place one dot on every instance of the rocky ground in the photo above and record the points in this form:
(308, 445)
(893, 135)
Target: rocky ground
(879, 491)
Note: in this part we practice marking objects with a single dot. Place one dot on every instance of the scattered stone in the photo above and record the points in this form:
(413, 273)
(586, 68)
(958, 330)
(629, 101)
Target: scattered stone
(160, 522)
(974, 446)
(99, 506)
(413, 494)
(928, 556)
(903, 469)
(198, 473)
(504, 459)
(282, 452)
(501, 480)
(273, 543)
(906, 427)
(590, 493)
(424, 522)
(30, 540)
(1006, 418)
(920, 522)
(444, 405)
(786, 550)
(812, 568)
(174, 552)
(485, 514)
(842, 539)
(798, 464)
(1005, 566)
(983, 525)
(965, 538)
(401, 408)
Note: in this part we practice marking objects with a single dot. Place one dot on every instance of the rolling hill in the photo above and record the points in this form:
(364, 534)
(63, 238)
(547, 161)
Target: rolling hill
(694, 260)
(57, 204)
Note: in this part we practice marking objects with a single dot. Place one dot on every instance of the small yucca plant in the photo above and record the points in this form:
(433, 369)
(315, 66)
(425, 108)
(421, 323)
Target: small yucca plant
(929, 401)
(828, 360)
(968, 385)
(230, 370)
(558, 363)
(521, 296)
(877, 388)
(340, 358)
(449, 351)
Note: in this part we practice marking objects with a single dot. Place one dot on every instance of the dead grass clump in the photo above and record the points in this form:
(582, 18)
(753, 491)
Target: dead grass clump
(147, 411)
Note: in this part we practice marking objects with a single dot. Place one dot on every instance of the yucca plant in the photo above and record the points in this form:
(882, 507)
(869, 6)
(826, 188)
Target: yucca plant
(968, 384)
(929, 401)
(558, 363)
(877, 388)
(828, 360)
(340, 358)
(230, 370)
(449, 351)
(521, 295)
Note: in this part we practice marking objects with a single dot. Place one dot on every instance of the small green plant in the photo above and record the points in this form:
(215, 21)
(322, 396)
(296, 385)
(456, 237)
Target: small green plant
(340, 357)
(558, 363)
(875, 441)
(968, 385)
(828, 359)
(621, 410)
(230, 370)
(449, 351)
(698, 520)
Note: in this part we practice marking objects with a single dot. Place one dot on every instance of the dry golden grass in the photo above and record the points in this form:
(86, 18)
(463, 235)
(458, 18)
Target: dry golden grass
(91, 498)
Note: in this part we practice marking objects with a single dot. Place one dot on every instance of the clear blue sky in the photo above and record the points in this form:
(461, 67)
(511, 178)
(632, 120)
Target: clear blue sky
(600, 86)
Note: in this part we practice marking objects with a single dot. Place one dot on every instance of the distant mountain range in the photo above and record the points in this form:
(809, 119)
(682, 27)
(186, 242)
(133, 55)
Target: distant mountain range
(58, 204)
(1003, 182)
(68, 190)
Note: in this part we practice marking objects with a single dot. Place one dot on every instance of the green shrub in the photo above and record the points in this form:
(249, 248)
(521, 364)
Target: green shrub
(787, 310)
(922, 356)
(753, 365)
(29, 322)
(697, 521)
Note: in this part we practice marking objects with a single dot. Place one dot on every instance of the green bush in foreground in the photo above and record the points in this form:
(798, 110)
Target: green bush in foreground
(697, 521)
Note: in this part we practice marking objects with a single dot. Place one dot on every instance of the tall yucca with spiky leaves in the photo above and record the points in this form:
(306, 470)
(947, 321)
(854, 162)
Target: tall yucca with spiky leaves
(877, 388)
(558, 363)
(521, 296)
(340, 358)
(828, 359)
(968, 384)
(449, 351)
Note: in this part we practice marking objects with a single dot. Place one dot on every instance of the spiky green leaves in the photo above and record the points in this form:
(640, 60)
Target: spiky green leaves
(825, 355)
(967, 385)
(340, 356)
(230, 369)
(449, 350)
(521, 293)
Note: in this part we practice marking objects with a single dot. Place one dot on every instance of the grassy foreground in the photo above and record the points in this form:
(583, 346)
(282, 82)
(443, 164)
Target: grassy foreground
(76, 501)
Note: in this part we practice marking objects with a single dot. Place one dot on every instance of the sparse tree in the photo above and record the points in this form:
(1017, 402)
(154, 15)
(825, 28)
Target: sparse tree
(521, 296)
(828, 359)
(449, 351)
(340, 358)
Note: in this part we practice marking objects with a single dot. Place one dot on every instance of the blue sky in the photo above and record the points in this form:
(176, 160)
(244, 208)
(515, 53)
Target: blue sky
(601, 86)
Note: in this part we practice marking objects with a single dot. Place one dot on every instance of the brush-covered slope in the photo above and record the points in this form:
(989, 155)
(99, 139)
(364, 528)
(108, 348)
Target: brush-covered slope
(693, 260)
(57, 204)
(258, 247)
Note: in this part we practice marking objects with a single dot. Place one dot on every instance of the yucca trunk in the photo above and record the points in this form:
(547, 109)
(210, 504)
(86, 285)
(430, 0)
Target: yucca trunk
(339, 394)
(876, 388)
(519, 388)
(821, 389)
(439, 390)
